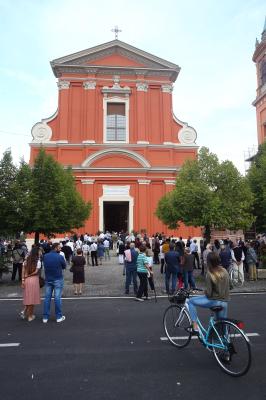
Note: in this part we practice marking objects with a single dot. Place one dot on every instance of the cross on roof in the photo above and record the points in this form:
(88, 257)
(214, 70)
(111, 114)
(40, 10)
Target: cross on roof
(116, 30)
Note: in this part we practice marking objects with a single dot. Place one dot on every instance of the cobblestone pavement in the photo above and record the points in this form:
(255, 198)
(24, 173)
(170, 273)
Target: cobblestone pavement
(108, 280)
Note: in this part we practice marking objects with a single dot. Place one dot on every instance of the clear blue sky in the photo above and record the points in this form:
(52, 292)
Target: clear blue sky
(211, 41)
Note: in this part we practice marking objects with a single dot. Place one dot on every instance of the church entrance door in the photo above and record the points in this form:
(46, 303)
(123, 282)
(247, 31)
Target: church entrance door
(116, 215)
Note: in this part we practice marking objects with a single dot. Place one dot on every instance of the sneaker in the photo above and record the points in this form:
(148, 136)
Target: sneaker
(31, 318)
(61, 319)
(147, 298)
(22, 315)
(45, 320)
(138, 299)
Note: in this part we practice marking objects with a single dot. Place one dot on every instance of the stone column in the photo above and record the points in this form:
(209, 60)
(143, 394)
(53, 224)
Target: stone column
(63, 87)
(167, 112)
(142, 89)
(143, 204)
(89, 116)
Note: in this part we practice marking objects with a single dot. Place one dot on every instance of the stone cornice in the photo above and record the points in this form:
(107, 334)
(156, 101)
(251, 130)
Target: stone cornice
(121, 145)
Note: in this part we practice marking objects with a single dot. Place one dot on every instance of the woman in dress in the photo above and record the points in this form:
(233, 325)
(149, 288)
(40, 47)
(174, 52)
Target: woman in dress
(78, 263)
(30, 283)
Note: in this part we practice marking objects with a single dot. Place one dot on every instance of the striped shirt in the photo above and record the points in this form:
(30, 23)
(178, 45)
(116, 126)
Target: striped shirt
(141, 261)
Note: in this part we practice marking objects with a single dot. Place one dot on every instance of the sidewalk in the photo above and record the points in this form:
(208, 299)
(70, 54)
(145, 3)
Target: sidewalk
(108, 280)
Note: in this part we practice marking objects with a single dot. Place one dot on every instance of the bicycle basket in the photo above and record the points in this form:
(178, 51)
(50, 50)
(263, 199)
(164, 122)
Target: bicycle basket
(179, 298)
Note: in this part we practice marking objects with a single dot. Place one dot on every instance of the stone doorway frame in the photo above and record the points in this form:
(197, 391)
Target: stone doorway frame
(116, 193)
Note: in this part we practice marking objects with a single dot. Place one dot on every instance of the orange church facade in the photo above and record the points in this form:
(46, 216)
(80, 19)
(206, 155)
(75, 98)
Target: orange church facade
(115, 127)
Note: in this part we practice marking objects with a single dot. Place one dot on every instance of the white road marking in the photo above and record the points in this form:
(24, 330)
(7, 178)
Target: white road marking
(164, 338)
(9, 344)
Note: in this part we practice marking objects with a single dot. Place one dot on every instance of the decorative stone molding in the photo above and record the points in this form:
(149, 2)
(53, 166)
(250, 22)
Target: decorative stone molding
(102, 153)
(143, 142)
(167, 88)
(169, 182)
(116, 88)
(144, 181)
(168, 143)
(87, 181)
(89, 85)
(88, 141)
(41, 132)
(142, 86)
(187, 135)
(63, 85)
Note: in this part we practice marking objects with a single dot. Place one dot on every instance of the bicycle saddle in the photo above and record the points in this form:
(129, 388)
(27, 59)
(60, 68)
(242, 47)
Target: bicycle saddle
(216, 308)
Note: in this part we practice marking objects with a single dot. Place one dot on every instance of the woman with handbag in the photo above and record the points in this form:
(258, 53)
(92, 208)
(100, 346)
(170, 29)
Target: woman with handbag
(30, 283)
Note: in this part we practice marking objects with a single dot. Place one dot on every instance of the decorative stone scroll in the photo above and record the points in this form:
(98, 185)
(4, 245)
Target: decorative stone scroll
(187, 135)
(167, 88)
(63, 85)
(89, 85)
(142, 87)
(41, 132)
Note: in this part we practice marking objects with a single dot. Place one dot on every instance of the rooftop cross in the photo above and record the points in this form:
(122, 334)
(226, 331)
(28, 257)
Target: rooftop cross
(116, 30)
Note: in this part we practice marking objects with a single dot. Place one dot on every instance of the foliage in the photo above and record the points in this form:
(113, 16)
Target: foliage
(42, 199)
(257, 181)
(208, 193)
(8, 205)
(55, 204)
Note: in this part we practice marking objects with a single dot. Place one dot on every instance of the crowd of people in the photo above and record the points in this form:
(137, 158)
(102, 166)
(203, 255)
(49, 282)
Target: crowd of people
(137, 253)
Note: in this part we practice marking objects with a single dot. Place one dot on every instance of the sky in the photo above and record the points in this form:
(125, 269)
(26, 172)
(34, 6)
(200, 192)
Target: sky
(213, 43)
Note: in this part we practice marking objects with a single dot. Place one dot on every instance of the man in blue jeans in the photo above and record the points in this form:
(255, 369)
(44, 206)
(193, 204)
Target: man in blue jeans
(54, 264)
(172, 261)
(131, 256)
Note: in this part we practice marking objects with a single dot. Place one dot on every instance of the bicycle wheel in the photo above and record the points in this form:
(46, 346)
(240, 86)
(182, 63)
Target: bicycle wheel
(177, 324)
(231, 348)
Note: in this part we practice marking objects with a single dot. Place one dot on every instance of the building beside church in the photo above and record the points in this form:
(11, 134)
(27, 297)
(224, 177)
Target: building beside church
(259, 57)
(115, 126)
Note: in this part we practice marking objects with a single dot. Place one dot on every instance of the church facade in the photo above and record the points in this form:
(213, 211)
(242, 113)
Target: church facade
(115, 127)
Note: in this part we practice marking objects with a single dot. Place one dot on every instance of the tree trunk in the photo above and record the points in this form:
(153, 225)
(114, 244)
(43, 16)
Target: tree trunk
(207, 233)
(37, 238)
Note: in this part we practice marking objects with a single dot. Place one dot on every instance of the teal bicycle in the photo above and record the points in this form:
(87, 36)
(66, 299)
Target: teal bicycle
(225, 337)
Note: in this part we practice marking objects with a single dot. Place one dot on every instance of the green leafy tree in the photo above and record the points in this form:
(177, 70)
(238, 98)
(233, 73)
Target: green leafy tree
(8, 205)
(257, 181)
(208, 193)
(55, 206)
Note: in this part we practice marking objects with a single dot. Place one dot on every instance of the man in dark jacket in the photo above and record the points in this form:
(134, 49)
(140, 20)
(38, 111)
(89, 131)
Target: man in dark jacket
(172, 261)
(131, 256)
(54, 264)
(225, 257)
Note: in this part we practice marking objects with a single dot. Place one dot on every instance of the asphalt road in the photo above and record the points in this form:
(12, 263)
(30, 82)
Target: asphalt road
(112, 349)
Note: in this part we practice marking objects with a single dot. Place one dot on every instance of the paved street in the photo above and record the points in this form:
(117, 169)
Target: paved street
(112, 349)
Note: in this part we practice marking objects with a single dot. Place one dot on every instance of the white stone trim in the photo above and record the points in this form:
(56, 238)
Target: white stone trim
(63, 85)
(115, 99)
(87, 181)
(169, 181)
(89, 85)
(41, 132)
(144, 181)
(168, 143)
(142, 87)
(187, 135)
(115, 198)
(88, 141)
(167, 88)
(99, 154)
(143, 142)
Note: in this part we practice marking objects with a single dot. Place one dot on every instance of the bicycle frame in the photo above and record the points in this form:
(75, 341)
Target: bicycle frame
(204, 335)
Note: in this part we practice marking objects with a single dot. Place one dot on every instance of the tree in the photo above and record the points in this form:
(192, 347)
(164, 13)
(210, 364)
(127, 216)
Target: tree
(257, 181)
(55, 206)
(209, 194)
(8, 205)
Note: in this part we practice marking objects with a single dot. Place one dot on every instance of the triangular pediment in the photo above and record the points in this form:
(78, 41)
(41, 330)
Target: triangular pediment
(113, 54)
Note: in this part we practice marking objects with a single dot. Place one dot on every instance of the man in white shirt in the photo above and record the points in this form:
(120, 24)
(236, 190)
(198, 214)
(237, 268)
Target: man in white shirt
(106, 244)
(86, 252)
(194, 250)
(94, 258)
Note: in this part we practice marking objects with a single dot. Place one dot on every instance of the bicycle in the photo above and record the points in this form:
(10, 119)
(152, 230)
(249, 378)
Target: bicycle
(235, 277)
(225, 337)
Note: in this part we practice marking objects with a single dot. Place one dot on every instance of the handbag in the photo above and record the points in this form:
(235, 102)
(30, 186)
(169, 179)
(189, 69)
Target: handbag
(41, 281)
